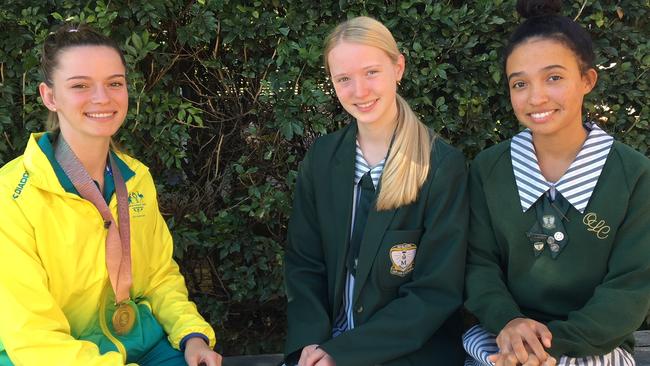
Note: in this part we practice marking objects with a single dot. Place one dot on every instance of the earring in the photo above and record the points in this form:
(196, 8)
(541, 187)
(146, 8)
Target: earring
(399, 82)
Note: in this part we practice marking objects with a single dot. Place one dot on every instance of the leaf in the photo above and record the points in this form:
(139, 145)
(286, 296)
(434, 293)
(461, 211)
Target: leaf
(137, 41)
(496, 76)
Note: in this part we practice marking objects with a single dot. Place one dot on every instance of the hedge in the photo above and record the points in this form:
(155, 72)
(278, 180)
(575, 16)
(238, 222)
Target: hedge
(226, 96)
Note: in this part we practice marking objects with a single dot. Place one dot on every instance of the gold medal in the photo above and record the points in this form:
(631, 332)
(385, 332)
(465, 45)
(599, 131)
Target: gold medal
(123, 318)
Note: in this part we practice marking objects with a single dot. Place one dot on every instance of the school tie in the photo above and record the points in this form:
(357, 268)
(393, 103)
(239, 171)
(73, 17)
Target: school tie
(364, 201)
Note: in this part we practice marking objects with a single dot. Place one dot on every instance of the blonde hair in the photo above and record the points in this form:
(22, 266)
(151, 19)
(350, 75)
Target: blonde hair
(407, 166)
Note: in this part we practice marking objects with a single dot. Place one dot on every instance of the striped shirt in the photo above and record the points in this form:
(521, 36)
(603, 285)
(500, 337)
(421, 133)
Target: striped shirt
(345, 319)
(479, 344)
(578, 182)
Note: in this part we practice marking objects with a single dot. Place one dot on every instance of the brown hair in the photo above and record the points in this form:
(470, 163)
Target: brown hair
(65, 37)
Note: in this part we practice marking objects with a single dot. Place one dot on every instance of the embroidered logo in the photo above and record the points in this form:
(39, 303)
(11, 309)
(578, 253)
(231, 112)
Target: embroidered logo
(599, 227)
(136, 204)
(403, 258)
(19, 188)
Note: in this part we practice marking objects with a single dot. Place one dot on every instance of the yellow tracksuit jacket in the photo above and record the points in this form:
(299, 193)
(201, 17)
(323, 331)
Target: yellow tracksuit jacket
(56, 301)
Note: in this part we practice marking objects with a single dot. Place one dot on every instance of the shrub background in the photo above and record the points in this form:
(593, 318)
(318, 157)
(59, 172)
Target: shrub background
(226, 96)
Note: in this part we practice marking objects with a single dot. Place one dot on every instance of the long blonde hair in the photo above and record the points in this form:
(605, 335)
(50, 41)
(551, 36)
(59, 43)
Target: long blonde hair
(407, 165)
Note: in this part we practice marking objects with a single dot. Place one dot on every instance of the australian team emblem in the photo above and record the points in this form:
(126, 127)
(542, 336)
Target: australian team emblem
(403, 258)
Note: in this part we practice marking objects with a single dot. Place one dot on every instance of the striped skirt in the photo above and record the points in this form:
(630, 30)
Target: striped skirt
(479, 344)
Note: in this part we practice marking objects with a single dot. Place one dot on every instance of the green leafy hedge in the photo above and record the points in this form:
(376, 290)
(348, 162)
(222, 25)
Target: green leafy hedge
(226, 96)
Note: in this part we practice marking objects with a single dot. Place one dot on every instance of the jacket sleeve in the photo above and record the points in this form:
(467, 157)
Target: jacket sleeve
(166, 290)
(33, 328)
(304, 267)
(620, 303)
(487, 295)
(435, 290)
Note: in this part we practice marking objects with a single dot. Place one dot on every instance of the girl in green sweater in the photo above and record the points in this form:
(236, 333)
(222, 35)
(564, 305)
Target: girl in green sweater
(557, 268)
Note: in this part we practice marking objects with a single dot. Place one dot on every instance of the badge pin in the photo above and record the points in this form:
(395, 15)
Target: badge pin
(548, 222)
(554, 247)
(538, 246)
(402, 257)
(559, 236)
(550, 240)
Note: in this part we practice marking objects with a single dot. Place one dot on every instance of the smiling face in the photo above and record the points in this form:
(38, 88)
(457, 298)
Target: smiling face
(365, 80)
(88, 93)
(547, 87)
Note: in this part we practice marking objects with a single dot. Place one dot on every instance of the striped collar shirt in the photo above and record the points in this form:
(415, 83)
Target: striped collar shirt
(361, 167)
(578, 182)
(345, 319)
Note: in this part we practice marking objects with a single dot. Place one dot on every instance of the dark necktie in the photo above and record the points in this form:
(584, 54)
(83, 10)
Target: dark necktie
(364, 201)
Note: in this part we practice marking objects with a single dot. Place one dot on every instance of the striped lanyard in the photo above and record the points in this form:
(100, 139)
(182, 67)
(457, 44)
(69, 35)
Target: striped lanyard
(118, 243)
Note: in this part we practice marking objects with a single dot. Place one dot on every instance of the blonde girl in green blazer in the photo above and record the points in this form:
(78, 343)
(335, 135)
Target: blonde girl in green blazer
(382, 287)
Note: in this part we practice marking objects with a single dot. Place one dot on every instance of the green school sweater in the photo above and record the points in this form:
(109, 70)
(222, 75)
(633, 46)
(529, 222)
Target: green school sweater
(596, 293)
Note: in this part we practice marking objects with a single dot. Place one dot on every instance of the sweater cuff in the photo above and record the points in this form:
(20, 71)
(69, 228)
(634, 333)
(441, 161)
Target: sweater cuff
(193, 335)
(496, 321)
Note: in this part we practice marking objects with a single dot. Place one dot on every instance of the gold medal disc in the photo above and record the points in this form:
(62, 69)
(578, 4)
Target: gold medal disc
(123, 318)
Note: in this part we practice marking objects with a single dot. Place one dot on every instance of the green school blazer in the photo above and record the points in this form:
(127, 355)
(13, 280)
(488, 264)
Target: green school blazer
(406, 312)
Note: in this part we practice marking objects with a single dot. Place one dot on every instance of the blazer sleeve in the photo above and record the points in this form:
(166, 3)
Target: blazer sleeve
(33, 328)
(487, 295)
(435, 290)
(166, 291)
(620, 303)
(308, 318)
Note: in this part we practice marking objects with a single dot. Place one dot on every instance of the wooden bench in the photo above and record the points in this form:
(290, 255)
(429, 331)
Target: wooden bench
(642, 350)
(641, 354)
(255, 360)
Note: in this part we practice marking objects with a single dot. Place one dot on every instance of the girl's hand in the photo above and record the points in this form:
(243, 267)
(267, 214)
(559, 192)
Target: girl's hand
(523, 337)
(198, 352)
(313, 355)
(509, 359)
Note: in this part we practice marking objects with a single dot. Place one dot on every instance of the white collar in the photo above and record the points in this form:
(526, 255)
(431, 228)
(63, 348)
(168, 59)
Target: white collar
(578, 182)
(361, 167)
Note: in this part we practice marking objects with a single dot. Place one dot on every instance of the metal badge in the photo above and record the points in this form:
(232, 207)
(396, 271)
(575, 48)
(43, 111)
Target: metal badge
(554, 247)
(548, 222)
(538, 246)
(559, 236)
(550, 240)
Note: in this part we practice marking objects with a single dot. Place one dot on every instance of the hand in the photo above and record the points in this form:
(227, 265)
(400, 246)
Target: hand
(509, 359)
(197, 352)
(522, 337)
(313, 355)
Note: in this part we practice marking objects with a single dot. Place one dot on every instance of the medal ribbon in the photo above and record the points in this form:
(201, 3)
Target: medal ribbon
(118, 243)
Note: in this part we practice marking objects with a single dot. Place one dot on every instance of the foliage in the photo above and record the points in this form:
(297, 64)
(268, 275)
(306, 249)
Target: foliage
(227, 95)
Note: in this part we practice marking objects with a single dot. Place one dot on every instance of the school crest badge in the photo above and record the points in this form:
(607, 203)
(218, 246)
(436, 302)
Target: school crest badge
(403, 258)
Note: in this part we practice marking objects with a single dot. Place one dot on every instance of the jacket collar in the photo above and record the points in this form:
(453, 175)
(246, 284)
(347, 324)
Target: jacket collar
(578, 182)
(46, 172)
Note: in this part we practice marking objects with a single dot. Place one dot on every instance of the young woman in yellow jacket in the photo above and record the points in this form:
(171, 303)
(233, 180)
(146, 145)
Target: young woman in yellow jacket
(86, 270)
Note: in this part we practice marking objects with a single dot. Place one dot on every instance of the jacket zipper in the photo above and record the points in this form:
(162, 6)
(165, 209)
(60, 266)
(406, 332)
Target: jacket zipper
(104, 327)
